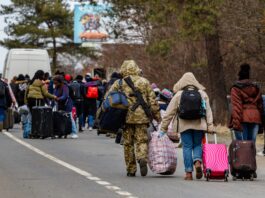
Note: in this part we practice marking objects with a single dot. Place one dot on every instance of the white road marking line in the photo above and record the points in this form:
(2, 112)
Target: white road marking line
(79, 171)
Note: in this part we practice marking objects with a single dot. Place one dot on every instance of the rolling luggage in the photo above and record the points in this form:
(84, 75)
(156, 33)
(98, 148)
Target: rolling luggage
(242, 157)
(42, 123)
(9, 119)
(162, 155)
(62, 124)
(215, 160)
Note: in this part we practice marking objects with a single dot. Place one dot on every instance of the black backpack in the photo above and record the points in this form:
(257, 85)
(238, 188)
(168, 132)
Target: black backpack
(191, 104)
(76, 90)
(2, 89)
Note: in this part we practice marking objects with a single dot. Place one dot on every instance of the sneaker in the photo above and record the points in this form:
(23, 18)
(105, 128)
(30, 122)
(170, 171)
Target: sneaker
(261, 153)
(143, 167)
(90, 129)
(74, 136)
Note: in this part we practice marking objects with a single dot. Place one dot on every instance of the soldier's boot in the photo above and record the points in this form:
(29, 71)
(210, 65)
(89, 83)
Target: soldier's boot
(130, 174)
(143, 167)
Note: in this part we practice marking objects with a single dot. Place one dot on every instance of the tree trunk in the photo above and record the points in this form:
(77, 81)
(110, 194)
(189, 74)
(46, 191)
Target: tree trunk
(217, 79)
(54, 56)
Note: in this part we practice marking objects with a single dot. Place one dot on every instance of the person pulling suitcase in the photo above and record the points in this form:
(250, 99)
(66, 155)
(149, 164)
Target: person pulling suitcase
(65, 102)
(35, 96)
(190, 108)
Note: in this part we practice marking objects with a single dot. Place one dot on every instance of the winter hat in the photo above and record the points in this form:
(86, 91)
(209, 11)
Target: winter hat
(79, 77)
(154, 86)
(20, 77)
(244, 72)
(166, 93)
(68, 77)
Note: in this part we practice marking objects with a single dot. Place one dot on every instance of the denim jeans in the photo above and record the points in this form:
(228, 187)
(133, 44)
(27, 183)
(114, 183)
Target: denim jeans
(250, 131)
(2, 114)
(74, 129)
(192, 148)
(26, 124)
(90, 121)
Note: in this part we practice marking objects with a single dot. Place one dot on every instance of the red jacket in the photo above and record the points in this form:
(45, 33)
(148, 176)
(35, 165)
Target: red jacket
(247, 105)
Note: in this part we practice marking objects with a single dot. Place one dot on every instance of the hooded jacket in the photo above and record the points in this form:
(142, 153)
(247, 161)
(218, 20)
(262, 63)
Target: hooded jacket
(247, 106)
(131, 69)
(38, 90)
(180, 126)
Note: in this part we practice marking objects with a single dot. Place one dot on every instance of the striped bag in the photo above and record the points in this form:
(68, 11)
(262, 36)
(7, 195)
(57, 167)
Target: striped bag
(162, 155)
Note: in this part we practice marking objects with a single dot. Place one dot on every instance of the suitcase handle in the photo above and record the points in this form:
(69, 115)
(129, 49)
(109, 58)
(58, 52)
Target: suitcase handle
(215, 138)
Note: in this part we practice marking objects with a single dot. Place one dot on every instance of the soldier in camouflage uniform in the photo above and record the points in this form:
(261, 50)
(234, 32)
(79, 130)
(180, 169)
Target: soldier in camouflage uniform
(135, 132)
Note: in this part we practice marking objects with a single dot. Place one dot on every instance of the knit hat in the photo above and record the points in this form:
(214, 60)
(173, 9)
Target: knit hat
(68, 77)
(166, 93)
(244, 72)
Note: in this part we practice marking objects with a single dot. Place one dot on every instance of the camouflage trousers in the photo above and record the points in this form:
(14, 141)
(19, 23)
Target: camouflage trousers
(135, 145)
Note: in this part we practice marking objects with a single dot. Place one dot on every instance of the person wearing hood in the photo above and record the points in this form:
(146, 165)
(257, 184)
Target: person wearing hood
(192, 131)
(35, 95)
(247, 106)
(137, 122)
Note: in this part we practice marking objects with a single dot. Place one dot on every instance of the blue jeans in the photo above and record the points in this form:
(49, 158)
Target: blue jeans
(74, 129)
(26, 124)
(2, 114)
(250, 131)
(90, 121)
(192, 148)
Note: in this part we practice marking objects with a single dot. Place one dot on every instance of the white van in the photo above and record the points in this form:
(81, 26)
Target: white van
(26, 61)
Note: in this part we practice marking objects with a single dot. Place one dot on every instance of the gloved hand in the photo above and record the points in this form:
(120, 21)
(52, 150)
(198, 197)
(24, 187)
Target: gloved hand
(161, 134)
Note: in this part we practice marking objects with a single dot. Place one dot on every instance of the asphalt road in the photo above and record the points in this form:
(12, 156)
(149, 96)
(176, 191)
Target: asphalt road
(93, 166)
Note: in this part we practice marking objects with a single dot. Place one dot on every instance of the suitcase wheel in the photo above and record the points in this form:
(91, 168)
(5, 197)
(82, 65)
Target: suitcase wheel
(234, 178)
(65, 137)
(208, 174)
(226, 175)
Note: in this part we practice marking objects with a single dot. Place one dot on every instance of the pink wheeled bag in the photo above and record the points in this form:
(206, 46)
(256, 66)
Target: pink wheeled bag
(215, 160)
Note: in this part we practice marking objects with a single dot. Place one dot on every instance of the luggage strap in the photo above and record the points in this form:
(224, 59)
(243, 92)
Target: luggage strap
(140, 101)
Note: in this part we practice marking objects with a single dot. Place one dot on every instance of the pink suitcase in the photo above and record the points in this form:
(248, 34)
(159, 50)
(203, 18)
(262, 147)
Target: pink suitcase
(215, 160)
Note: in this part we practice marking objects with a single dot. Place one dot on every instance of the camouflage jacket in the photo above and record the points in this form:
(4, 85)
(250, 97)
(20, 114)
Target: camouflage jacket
(130, 68)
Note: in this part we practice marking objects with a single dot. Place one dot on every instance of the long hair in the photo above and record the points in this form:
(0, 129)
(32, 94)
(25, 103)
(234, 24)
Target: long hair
(39, 75)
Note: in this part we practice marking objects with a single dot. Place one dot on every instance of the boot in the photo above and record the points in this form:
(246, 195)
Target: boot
(188, 176)
(198, 168)
(143, 167)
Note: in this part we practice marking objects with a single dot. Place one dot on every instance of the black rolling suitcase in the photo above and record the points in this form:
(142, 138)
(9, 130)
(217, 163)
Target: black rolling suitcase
(62, 124)
(42, 122)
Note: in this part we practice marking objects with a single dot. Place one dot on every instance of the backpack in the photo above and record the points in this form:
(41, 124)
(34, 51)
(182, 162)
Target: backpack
(114, 111)
(71, 92)
(2, 89)
(192, 106)
(92, 92)
(76, 88)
